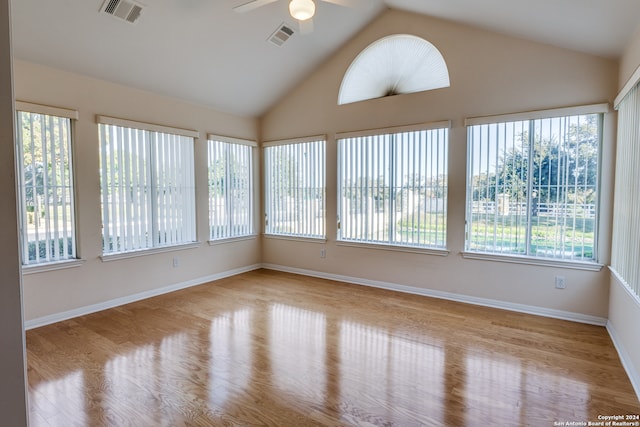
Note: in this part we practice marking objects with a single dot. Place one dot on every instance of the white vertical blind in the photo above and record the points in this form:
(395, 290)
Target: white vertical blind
(533, 187)
(393, 188)
(295, 189)
(231, 192)
(148, 189)
(45, 175)
(174, 189)
(625, 251)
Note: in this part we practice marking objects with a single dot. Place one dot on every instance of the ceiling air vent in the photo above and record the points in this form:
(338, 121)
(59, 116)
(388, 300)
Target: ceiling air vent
(126, 10)
(281, 35)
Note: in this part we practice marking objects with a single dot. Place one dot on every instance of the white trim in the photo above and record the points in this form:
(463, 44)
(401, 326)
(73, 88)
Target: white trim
(106, 120)
(231, 140)
(631, 83)
(93, 308)
(540, 114)
(48, 110)
(51, 266)
(529, 260)
(145, 252)
(485, 302)
(396, 248)
(215, 242)
(295, 141)
(444, 124)
(295, 238)
(625, 359)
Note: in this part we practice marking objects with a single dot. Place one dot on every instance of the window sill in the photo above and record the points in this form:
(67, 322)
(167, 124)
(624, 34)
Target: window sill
(232, 239)
(145, 252)
(395, 248)
(51, 266)
(541, 262)
(296, 238)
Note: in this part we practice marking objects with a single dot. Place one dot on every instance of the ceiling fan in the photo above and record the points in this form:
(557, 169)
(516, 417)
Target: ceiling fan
(301, 10)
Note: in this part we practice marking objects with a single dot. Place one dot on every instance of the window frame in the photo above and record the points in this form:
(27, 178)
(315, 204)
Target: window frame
(319, 168)
(58, 113)
(564, 112)
(151, 131)
(253, 145)
(389, 244)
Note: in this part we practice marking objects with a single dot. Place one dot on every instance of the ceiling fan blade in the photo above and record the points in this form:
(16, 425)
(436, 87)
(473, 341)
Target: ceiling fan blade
(345, 3)
(306, 26)
(254, 4)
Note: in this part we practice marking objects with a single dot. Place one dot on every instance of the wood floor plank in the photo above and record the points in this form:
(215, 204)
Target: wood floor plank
(277, 349)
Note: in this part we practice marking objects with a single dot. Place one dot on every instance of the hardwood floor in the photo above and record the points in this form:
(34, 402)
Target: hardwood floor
(276, 349)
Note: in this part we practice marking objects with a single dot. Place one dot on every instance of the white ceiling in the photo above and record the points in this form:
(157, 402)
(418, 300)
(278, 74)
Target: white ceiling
(201, 51)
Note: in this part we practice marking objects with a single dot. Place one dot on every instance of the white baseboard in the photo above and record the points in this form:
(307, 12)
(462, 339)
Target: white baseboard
(634, 376)
(81, 311)
(521, 308)
(540, 311)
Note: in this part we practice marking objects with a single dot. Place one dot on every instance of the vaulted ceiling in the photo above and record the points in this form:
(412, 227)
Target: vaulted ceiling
(204, 52)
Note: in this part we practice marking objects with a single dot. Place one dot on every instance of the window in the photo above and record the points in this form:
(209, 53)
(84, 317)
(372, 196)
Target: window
(147, 182)
(533, 185)
(45, 181)
(295, 188)
(394, 65)
(231, 197)
(625, 246)
(392, 187)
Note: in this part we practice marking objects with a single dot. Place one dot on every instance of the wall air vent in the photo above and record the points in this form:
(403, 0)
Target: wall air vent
(281, 35)
(126, 10)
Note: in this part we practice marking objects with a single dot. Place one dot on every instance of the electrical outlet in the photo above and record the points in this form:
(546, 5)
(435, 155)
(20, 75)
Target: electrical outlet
(176, 262)
(323, 253)
(561, 282)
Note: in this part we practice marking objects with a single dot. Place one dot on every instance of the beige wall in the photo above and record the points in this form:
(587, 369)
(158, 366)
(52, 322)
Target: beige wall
(13, 397)
(490, 74)
(96, 282)
(630, 60)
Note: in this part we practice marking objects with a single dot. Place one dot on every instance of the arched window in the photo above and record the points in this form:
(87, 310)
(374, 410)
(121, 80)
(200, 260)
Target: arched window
(394, 65)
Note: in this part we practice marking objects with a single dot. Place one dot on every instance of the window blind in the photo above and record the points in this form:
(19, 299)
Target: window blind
(295, 188)
(148, 190)
(625, 245)
(393, 187)
(533, 186)
(45, 181)
(231, 195)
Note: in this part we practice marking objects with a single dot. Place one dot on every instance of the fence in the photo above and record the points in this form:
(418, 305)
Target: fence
(582, 210)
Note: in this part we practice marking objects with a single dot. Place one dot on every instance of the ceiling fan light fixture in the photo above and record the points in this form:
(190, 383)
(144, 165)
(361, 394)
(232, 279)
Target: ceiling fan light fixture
(302, 9)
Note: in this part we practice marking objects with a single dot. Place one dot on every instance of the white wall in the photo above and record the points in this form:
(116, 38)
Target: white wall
(95, 282)
(13, 397)
(624, 327)
(490, 74)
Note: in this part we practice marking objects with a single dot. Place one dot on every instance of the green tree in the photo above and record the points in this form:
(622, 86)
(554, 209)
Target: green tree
(565, 169)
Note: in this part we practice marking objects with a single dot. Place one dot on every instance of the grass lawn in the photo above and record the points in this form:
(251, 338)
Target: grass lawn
(552, 237)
